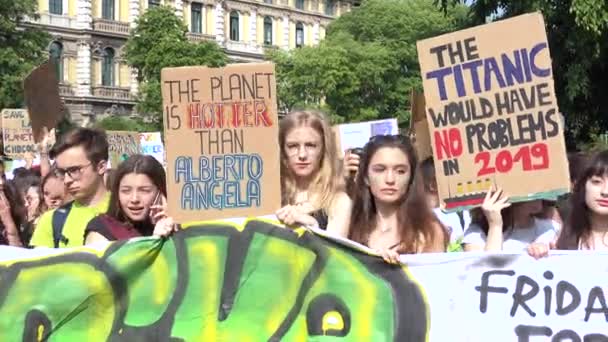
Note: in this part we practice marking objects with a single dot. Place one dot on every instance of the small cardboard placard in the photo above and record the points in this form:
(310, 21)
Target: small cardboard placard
(492, 112)
(352, 135)
(419, 126)
(41, 90)
(221, 141)
(122, 145)
(17, 134)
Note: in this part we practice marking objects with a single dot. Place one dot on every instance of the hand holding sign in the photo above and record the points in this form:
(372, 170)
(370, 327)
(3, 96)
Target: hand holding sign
(493, 204)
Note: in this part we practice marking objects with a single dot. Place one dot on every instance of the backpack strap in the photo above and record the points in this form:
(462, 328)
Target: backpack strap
(60, 215)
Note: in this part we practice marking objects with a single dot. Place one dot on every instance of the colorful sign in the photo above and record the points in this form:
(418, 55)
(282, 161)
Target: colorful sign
(152, 144)
(492, 112)
(261, 282)
(221, 138)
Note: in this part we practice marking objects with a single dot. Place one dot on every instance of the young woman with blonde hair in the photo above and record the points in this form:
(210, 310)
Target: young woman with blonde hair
(312, 191)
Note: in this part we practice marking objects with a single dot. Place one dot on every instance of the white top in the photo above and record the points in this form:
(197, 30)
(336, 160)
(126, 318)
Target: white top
(453, 223)
(517, 239)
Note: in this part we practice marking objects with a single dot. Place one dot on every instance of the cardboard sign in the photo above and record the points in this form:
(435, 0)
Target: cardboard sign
(221, 138)
(122, 145)
(354, 135)
(17, 133)
(45, 107)
(419, 126)
(151, 144)
(492, 112)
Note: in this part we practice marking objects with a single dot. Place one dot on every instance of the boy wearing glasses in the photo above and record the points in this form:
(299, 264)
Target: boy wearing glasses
(81, 160)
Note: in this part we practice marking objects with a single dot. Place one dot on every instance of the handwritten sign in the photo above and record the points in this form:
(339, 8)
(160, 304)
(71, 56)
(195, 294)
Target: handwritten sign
(492, 112)
(122, 145)
(17, 133)
(151, 144)
(221, 134)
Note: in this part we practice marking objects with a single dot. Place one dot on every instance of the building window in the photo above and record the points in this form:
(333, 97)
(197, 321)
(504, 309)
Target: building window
(299, 35)
(153, 3)
(268, 2)
(56, 56)
(329, 7)
(107, 68)
(300, 4)
(107, 9)
(267, 31)
(234, 25)
(56, 6)
(196, 16)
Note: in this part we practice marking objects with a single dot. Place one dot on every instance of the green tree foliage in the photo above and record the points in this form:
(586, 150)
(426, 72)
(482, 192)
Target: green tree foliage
(21, 49)
(367, 65)
(577, 31)
(159, 41)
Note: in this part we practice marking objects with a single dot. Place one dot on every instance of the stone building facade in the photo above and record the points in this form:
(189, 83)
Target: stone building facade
(88, 37)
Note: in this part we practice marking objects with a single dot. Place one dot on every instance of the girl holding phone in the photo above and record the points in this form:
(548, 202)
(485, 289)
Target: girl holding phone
(137, 203)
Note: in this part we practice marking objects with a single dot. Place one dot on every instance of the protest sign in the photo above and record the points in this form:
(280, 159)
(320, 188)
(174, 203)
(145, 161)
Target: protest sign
(151, 144)
(41, 90)
(419, 126)
(261, 282)
(122, 145)
(492, 112)
(221, 138)
(357, 134)
(17, 133)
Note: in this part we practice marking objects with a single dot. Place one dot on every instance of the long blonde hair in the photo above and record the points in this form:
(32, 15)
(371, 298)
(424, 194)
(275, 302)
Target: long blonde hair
(326, 183)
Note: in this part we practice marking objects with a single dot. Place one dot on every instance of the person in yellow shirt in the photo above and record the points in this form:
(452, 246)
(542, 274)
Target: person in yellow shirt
(81, 158)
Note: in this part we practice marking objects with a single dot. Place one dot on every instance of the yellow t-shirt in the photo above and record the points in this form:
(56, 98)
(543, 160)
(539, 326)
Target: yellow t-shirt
(73, 229)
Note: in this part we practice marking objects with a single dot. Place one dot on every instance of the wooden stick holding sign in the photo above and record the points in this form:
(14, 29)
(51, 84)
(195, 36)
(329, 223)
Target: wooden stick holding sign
(492, 112)
(221, 141)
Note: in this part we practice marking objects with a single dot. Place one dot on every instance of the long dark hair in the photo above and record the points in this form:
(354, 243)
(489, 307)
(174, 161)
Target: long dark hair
(577, 228)
(18, 210)
(416, 221)
(139, 164)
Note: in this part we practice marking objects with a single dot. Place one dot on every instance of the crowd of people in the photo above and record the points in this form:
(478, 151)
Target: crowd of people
(381, 196)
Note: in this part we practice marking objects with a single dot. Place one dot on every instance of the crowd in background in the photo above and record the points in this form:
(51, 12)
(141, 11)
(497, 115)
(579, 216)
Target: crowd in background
(381, 196)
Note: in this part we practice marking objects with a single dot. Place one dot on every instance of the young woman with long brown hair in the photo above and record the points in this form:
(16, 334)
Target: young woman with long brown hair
(586, 228)
(390, 213)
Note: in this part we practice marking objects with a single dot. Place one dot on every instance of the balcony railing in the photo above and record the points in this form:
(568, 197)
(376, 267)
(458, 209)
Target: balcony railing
(54, 20)
(112, 92)
(244, 47)
(111, 26)
(66, 90)
(198, 37)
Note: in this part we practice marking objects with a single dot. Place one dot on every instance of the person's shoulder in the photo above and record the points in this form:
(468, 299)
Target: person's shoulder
(43, 234)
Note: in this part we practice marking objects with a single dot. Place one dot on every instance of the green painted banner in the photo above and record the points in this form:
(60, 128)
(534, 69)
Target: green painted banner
(211, 282)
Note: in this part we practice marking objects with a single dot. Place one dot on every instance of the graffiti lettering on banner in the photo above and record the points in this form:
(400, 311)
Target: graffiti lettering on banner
(221, 133)
(492, 112)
